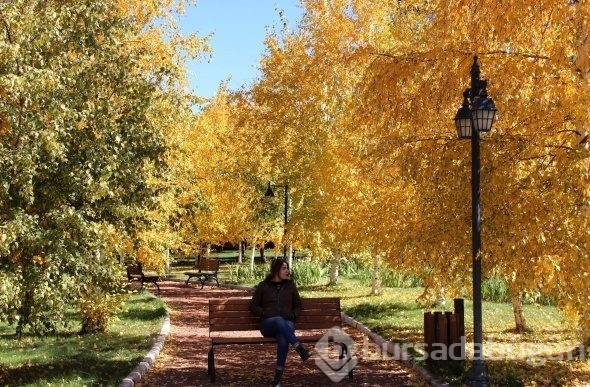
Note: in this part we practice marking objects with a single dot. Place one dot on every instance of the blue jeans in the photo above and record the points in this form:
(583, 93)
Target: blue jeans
(284, 332)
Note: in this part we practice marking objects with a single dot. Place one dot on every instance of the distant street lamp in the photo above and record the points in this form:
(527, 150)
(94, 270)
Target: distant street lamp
(269, 195)
(475, 116)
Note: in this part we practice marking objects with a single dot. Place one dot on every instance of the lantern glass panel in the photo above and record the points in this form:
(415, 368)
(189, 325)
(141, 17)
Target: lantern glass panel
(463, 127)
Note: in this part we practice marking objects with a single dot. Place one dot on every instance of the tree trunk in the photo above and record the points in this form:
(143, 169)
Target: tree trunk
(290, 254)
(375, 278)
(441, 300)
(241, 250)
(167, 252)
(518, 312)
(253, 254)
(334, 267)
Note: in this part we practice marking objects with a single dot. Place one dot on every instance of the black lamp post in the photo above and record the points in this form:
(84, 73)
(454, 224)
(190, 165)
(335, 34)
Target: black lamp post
(475, 116)
(270, 195)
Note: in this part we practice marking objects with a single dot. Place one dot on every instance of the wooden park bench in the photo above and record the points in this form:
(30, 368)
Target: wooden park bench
(135, 273)
(231, 315)
(206, 271)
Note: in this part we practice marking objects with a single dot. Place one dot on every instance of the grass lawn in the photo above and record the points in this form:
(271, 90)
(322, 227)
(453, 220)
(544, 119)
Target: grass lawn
(70, 359)
(528, 359)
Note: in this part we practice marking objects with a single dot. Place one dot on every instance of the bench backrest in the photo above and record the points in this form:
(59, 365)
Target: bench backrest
(233, 314)
(134, 270)
(206, 264)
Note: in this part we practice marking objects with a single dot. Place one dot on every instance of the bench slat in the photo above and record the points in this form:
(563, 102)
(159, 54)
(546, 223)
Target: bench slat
(259, 340)
(243, 304)
(244, 320)
(233, 314)
(244, 313)
(237, 304)
(250, 325)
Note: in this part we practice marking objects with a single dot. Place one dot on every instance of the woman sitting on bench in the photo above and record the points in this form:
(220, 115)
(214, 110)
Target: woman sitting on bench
(276, 300)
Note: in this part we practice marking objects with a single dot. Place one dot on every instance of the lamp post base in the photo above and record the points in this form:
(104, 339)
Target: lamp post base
(477, 376)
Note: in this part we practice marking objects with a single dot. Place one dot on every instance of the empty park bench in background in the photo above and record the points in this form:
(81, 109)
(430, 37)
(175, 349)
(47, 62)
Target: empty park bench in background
(231, 315)
(206, 271)
(135, 273)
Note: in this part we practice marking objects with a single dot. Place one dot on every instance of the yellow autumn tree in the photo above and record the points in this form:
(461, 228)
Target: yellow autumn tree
(403, 176)
(420, 65)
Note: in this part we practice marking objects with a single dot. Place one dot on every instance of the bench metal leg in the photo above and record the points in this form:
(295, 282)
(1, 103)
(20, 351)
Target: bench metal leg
(211, 364)
(208, 278)
(143, 282)
(344, 355)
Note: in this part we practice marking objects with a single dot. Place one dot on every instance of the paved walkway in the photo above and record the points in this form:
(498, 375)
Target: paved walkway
(183, 359)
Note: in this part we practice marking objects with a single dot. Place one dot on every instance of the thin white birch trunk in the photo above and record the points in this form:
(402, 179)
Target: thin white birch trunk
(375, 275)
(240, 252)
(290, 254)
(518, 312)
(334, 267)
(253, 253)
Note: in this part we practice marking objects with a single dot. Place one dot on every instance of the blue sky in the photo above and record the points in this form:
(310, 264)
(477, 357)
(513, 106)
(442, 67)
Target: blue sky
(238, 28)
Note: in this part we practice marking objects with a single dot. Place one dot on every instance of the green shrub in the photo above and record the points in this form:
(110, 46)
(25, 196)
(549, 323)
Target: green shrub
(495, 289)
(309, 272)
(349, 268)
(241, 274)
(390, 278)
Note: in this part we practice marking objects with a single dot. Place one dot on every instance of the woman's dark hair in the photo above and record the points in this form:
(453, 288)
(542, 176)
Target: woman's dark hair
(275, 266)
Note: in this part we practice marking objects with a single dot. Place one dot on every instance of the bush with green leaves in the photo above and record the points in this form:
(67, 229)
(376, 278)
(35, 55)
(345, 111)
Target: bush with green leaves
(390, 278)
(495, 289)
(309, 272)
(241, 273)
(349, 268)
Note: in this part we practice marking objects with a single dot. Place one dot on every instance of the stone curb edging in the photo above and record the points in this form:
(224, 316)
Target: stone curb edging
(393, 349)
(144, 366)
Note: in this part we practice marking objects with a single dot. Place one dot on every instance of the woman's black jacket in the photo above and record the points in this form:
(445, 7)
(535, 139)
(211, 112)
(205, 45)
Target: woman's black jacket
(267, 301)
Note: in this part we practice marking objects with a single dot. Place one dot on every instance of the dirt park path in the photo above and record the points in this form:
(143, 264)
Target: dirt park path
(183, 359)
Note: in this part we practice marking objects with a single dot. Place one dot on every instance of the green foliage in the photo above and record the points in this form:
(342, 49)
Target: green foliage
(309, 272)
(77, 149)
(350, 268)
(390, 277)
(241, 274)
(495, 289)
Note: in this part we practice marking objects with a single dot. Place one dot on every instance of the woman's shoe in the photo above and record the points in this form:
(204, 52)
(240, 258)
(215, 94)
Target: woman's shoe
(303, 353)
(276, 382)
